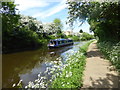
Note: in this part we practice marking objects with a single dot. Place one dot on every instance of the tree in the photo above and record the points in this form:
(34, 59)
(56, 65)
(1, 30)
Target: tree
(81, 31)
(9, 22)
(59, 27)
(58, 23)
(50, 28)
(18, 31)
(102, 17)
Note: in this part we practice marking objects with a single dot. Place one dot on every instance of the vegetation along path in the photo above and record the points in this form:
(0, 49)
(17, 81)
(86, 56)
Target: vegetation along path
(99, 73)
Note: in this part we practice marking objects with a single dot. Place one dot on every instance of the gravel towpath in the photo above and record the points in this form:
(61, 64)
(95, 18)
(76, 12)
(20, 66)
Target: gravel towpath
(99, 73)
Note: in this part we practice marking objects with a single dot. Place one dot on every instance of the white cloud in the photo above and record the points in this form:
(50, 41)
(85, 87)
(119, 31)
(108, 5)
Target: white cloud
(52, 10)
(27, 4)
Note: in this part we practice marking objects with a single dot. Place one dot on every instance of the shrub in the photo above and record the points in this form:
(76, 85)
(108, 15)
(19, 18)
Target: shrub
(86, 36)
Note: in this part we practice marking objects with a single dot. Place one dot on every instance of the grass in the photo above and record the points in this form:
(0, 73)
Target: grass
(71, 76)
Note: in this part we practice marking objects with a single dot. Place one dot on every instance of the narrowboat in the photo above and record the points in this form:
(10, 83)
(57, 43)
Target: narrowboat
(59, 42)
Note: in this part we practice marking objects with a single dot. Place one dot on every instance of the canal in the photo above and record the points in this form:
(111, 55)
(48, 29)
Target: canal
(27, 65)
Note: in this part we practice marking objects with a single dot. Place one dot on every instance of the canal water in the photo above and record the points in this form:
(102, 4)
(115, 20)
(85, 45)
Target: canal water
(27, 65)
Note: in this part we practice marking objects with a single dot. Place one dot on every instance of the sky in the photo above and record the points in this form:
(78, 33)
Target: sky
(47, 10)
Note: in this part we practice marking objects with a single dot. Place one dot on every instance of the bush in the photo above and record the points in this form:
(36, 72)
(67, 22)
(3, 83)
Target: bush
(76, 38)
(86, 36)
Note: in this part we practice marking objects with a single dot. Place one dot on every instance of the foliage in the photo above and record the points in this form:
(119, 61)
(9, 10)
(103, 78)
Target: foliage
(19, 32)
(59, 26)
(75, 38)
(102, 17)
(9, 21)
(49, 29)
(83, 37)
(112, 52)
(86, 36)
(58, 23)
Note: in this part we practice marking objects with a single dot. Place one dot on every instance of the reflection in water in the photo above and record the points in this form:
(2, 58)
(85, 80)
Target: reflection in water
(27, 65)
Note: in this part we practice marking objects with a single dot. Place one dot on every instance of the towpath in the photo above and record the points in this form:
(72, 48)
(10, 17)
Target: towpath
(99, 73)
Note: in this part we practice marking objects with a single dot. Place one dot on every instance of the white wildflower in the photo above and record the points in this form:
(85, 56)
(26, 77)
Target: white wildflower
(14, 85)
(38, 75)
(19, 83)
(68, 83)
(55, 61)
(69, 74)
(26, 86)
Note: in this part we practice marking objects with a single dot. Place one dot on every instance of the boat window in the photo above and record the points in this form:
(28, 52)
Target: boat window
(51, 42)
(70, 40)
(65, 41)
(62, 41)
(54, 42)
(58, 42)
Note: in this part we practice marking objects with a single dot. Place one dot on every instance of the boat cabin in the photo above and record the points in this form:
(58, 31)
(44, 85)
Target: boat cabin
(59, 42)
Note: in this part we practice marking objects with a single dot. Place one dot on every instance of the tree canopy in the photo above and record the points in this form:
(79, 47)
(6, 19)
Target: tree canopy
(58, 23)
(59, 26)
(102, 17)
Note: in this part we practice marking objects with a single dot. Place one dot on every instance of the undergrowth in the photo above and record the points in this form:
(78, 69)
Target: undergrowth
(112, 52)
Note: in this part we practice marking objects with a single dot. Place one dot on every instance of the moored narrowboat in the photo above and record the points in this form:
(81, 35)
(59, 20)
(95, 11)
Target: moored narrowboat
(59, 42)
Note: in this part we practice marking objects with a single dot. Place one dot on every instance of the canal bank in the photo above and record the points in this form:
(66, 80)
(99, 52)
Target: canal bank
(27, 65)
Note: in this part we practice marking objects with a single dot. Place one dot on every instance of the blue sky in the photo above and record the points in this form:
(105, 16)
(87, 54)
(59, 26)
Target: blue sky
(47, 10)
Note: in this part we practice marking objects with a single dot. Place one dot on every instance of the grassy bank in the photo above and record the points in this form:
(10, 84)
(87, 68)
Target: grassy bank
(112, 52)
(71, 76)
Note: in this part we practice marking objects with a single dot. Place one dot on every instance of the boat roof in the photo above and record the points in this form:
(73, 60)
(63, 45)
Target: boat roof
(59, 39)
